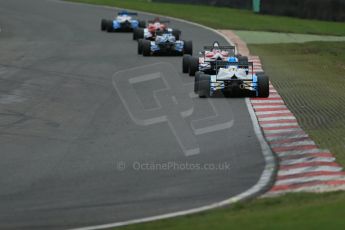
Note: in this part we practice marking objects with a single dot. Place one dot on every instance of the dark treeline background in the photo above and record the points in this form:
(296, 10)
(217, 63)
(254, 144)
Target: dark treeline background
(332, 10)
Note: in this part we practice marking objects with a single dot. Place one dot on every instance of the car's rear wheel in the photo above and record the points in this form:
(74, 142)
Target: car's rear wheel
(204, 83)
(193, 66)
(103, 24)
(188, 47)
(263, 85)
(146, 45)
(138, 33)
(109, 26)
(196, 81)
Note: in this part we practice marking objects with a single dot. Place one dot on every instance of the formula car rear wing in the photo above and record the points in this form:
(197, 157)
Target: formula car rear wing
(124, 12)
(224, 64)
(230, 49)
(160, 21)
(220, 47)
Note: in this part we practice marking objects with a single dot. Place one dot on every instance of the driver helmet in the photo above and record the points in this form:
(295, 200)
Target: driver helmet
(232, 59)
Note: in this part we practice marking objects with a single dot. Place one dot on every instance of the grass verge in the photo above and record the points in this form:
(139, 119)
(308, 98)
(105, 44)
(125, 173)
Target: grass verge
(311, 79)
(228, 18)
(293, 211)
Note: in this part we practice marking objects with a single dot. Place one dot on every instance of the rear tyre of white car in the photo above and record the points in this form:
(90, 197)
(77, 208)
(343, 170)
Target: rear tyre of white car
(204, 86)
(146, 47)
(263, 85)
(193, 66)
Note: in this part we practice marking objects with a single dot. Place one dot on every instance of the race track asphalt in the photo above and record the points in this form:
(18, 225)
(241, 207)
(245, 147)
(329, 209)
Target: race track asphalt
(76, 104)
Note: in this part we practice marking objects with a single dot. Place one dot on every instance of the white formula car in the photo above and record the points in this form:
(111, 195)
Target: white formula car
(232, 78)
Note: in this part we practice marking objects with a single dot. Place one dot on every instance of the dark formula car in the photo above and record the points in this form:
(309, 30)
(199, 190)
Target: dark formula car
(155, 28)
(165, 44)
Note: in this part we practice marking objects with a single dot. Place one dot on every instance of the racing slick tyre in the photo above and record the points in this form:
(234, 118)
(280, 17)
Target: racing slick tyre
(138, 33)
(185, 63)
(103, 24)
(204, 85)
(140, 46)
(188, 47)
(135, 34)
(176, 33)
(193, 66)
(109, 26)
(142, 24)
(196, 81)
(146, 45)
(263, 85)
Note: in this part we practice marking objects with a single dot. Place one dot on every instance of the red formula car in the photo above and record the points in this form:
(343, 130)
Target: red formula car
(154, 28)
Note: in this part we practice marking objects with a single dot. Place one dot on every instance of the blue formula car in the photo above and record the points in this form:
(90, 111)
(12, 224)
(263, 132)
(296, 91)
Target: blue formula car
(232, 78)
(165, 44)
(122, 23)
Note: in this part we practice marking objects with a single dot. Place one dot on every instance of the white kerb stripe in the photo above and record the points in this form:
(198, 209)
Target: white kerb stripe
(279, 124)
(293, 143)
(276, 118)
(307, 160)
(308, 169)
(308, 179)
